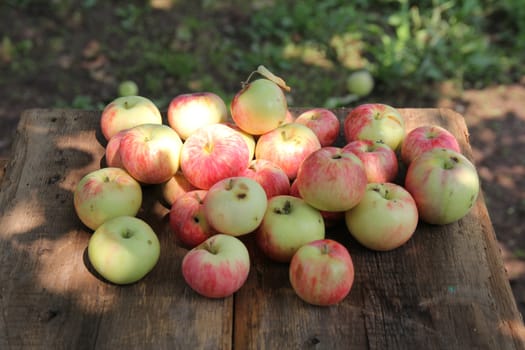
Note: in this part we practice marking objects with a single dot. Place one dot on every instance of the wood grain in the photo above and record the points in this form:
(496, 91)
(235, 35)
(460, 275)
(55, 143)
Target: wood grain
(446, 288)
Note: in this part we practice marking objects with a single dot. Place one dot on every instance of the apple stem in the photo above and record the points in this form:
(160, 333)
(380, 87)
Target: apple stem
(325, 249)
(247, 81)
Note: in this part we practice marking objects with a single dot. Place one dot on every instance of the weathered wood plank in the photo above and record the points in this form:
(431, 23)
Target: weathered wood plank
(49, 298)
(446, 288)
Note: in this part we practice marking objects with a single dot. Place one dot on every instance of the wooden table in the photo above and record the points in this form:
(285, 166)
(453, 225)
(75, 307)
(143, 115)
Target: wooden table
(445, 289)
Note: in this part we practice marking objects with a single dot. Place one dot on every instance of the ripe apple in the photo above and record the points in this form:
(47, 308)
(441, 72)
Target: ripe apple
(187, 219)
(104, 194)
(151, 152)
(218, 267)
(287, 146)
(112, 151)
(380, 161)
(250, 140)
(174, 188)
(188, 112)
(288, 223)
(375, 121)
(259, 107)
(332, 179)
(269, 175)
(330, 217)
(322, 272)
(323, 122)
(235, 205)
(424, 138)
(385, 218)
(212, 153)
(444, 184)
(124, 249)
(126, 112)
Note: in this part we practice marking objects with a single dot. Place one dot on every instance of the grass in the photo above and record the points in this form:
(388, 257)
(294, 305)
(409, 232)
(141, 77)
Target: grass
(409, 47)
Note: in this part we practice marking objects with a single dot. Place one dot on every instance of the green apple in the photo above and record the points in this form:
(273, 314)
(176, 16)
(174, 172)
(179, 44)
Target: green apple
(104, 194)
(385, 218)
(288, 224)
(235, 205)
(124, 249)
(128, 88)
(360, 83)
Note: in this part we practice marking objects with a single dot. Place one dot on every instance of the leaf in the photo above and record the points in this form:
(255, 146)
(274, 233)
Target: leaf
(265, 72)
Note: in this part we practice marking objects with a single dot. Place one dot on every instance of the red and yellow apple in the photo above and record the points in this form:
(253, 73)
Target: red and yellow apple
(150, 152)
(376, 122)
(212, 153)
(104, 194)
(188, 112)
(444, 184)
(218, 267)
(332, 179)
(322, 272)
(287, 146)
(126, 112)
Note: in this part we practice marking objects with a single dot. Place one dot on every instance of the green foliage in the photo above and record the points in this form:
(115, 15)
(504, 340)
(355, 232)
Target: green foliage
(409, 46)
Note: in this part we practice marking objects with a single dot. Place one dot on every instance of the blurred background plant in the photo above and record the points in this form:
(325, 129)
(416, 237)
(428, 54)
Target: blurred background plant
(168, 47)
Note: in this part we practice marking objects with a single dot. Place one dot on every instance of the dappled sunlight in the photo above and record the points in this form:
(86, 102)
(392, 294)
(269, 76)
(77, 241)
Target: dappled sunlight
(513, 329)
(26, 215)
(78, 143)
(61, 270)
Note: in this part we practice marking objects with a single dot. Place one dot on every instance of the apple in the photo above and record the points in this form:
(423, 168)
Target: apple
(187, 219)
(218, 267)
(380, 161)
(323, 122)
(151, 152)
(128, 88)
(260, 106)
(126, 112)
(112, 150)
(385, 218)
(332, 179)
(330, 217)
(249, 138)
(212, 153)
(444, 184)
(188, 112)
(124, 249)
(175, 187)
(322, 272)
(104, 194)
(424, 138)
(360, 83)
(375, 121)
(235, 205)
(287, 146)
(289, 223)
(269, 175)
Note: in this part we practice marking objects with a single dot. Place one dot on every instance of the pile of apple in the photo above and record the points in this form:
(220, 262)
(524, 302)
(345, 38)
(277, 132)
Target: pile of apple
(259, 170)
